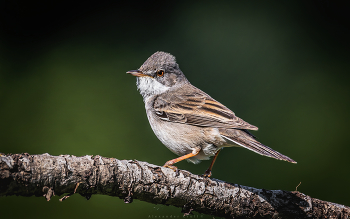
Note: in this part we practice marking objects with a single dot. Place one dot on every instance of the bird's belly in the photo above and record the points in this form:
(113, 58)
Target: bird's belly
(182, 138)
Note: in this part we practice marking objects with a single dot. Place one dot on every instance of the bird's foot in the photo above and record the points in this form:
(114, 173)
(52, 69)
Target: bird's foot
(169, 165)
(207, 173)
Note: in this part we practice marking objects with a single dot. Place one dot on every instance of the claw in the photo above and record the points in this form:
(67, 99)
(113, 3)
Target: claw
(207, 173)
(171, 167)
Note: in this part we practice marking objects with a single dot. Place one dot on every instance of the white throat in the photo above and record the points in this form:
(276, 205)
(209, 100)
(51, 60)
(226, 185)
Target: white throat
(148, 86)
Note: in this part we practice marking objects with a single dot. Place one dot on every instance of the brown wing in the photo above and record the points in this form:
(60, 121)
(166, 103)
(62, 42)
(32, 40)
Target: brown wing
(192, 106)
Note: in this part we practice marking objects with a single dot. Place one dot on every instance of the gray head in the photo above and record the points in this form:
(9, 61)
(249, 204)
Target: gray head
(159, 73)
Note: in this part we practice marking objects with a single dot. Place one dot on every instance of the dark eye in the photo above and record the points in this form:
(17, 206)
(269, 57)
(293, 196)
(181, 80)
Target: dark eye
(160, 73)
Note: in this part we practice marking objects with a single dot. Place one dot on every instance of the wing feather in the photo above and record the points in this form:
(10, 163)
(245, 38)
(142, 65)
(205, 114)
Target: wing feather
(197, 108)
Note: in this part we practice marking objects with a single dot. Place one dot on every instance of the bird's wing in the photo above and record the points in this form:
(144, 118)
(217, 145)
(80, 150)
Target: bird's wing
(197, 108)
(244, 139)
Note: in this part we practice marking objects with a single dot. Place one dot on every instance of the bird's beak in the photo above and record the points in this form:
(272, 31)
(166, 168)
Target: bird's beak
(136, 73)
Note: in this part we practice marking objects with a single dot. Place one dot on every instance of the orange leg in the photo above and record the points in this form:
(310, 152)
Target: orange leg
(170, 163)
(207, 173)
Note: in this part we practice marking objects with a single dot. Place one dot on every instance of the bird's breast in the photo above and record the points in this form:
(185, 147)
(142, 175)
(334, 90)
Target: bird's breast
(182, 138)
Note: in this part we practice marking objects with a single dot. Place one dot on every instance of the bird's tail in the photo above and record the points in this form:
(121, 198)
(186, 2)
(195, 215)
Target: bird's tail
(245, 139)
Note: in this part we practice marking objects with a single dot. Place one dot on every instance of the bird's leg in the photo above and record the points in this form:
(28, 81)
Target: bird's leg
(207, 173)
(169, 164)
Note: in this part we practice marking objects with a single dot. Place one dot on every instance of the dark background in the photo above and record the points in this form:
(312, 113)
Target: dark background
(280, 65)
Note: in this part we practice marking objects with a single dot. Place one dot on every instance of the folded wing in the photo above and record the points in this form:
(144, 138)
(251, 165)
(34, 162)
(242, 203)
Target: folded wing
(197, 109)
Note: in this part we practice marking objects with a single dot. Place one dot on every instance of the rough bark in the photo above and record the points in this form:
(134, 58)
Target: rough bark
(46, 175)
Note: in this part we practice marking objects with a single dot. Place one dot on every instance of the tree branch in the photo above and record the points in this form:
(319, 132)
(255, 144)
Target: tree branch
(46, 175)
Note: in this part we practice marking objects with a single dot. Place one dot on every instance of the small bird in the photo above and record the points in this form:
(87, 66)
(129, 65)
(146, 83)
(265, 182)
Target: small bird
(188, 121)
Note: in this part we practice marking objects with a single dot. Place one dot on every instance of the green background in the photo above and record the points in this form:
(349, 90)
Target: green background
(282, 66)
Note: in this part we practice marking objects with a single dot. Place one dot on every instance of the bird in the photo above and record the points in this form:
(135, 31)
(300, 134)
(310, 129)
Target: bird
(188, 121)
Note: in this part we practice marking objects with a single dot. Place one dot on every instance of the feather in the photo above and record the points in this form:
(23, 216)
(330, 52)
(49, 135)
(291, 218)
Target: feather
(243, 139)
(193, 106)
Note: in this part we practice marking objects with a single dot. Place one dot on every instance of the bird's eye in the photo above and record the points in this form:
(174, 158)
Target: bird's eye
(160, 73)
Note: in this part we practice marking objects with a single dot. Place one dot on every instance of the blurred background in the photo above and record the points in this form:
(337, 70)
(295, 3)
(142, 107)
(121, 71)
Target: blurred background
(280, 65)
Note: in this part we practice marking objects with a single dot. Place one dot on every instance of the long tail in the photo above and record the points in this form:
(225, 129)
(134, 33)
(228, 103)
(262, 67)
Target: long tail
(246, 140)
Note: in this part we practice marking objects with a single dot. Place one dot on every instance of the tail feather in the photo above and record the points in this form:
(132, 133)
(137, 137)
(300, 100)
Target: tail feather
(243, 139)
